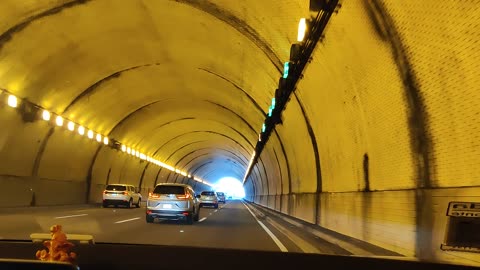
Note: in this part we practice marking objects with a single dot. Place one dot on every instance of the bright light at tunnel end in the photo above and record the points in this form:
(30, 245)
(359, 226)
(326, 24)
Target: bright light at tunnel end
(231, 186)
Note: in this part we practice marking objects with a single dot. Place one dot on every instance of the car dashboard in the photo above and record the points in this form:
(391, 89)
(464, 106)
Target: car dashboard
(21, 255)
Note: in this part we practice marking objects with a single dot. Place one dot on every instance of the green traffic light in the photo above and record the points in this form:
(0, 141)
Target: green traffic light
(286, 67)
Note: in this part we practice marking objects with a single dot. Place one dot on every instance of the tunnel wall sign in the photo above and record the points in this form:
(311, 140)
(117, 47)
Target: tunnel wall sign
(463, 227)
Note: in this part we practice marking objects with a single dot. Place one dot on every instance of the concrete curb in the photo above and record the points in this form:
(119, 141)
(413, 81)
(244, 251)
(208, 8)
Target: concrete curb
(352, 245)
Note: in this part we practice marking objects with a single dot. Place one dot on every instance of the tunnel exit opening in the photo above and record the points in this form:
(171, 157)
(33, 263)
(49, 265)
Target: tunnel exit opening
(231, 187)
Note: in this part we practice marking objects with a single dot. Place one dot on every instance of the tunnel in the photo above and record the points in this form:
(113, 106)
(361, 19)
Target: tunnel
(379, 134)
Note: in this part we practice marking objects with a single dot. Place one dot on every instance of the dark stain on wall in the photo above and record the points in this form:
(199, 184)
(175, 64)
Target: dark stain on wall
(238, 24)
(420, 141)
(8, 35)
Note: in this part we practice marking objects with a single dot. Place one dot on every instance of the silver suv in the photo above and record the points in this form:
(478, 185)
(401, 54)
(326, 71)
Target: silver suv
(209, 198)
(121, 194)
(173, 202)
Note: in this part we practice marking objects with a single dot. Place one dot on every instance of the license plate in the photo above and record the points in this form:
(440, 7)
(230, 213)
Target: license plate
(167, 206)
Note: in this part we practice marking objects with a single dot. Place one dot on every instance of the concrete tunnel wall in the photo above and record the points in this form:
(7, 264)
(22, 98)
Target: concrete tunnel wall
(378, 138)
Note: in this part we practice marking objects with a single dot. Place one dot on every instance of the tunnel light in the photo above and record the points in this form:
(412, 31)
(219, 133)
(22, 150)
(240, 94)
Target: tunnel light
(259, 137)
(90, 134)
(270, 110)
(105, 140)
(302, 29)
(148, 159)
(59, 121)
(183, 173)
(81, 130)
(12, 101)
(46, 115)
(189, 176)
(98, 138)
(177, 170)
(142, 156)
(137, 154)
(124, 148)
(129, 150)
(264, 127)
(286, 68)
(71, 126)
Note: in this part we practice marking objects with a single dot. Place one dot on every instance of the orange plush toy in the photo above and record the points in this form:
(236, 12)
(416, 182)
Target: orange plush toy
(58, 247)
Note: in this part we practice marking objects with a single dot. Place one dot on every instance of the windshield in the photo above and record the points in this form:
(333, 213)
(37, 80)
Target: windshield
(309, 126)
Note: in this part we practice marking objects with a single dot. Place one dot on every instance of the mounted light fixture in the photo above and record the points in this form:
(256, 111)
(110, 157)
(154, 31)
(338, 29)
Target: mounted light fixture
(46, 115)
(302, 29)
(71, 126)
(98, 138)
(12, 101)
(59, 121)
(90, 134)
(81, 130)
(105, 140)
(124, 148)
(129, 151)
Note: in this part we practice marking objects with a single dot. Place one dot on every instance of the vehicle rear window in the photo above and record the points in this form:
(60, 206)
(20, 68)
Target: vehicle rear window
(169, 190)
(220, 194)
(208, 193)
(116, 187)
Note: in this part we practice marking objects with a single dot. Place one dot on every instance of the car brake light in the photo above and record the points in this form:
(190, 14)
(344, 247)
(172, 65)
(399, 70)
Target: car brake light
(104, 192)
(152, 195)
(149, 211)
(185, 213)
(125, 193)
(186, 196)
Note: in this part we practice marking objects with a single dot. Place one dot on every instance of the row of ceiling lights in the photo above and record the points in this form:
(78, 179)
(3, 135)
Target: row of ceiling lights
(60, 121)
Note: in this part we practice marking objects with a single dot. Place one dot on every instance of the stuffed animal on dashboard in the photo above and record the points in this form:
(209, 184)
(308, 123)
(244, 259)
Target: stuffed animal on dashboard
(58, 248)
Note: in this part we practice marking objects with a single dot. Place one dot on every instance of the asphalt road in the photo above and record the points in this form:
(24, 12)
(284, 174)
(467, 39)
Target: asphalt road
(230, 226)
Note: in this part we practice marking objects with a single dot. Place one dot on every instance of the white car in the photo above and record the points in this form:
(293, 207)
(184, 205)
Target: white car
(121, 194)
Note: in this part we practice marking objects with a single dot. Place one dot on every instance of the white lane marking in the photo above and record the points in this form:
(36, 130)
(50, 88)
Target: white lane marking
(202, 219)
(127, 220)
(181, 230)
(79, 215)
(210, 214)
(274, 238)
(215, 211)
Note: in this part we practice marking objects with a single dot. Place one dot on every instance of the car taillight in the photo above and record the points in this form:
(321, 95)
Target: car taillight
(125, 193)
(104, 192)
(185, 196)
(152, 195)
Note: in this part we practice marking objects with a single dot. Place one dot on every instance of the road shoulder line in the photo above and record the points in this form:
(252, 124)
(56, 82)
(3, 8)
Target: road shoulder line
(274, 238)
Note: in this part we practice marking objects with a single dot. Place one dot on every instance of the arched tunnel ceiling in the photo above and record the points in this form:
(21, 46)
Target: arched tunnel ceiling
(185, 81)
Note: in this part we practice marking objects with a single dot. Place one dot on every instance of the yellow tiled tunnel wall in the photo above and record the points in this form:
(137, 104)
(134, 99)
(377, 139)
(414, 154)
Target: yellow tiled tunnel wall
(441, 39)
(354, 94)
